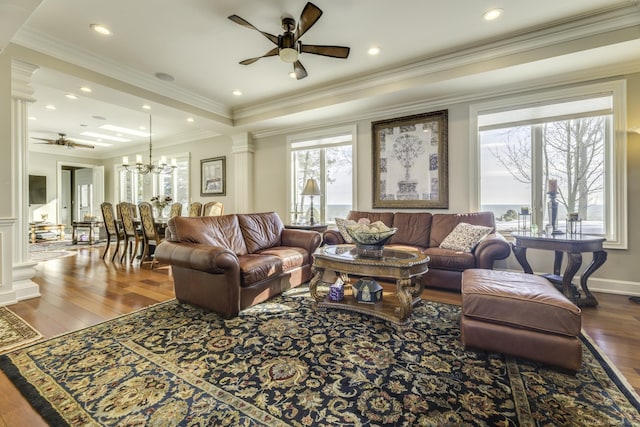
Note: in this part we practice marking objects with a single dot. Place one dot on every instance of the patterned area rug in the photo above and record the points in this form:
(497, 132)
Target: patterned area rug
(284, 363)
(14, 331)
(44, 251)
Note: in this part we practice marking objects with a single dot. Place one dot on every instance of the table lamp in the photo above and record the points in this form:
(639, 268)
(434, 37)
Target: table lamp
(311, 188)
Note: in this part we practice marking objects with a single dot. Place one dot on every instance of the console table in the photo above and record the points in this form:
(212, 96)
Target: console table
(92, 226)
(573, 245)
(35, 227)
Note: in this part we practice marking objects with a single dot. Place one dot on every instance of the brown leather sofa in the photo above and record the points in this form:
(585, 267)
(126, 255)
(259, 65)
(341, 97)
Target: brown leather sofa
(231, 262)
(425, 232)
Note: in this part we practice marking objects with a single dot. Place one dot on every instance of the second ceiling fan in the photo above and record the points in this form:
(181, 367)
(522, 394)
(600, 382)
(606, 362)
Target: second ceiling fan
(288, 44)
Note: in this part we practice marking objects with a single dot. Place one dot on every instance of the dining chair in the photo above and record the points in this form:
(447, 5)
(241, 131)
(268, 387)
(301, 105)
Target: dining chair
(213, 209)
(176, 210)
(131, 233)
(112, 228)
(195, 209)
(149, 231)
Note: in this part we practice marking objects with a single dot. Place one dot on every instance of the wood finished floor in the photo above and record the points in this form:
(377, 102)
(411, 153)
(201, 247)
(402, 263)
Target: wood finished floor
(83, 290)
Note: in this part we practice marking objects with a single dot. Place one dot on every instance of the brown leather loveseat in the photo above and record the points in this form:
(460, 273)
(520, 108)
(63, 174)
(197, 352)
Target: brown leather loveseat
(425, 232)
(231, 262)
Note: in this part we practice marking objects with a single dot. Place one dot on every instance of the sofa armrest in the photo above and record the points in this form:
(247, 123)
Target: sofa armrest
(333, 237)
(210, 259)
(492, 248)
(307, 239)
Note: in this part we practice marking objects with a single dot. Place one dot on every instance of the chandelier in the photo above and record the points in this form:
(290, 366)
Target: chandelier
(156, 167)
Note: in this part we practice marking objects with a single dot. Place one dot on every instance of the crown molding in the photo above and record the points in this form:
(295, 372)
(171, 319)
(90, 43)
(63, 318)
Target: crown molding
(607, 72)
(48, 45)
(476, 56)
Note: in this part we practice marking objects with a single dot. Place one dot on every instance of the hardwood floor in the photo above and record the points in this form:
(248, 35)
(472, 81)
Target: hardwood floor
(83, 290)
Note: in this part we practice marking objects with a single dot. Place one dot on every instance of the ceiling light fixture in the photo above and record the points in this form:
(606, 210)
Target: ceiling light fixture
(146, 107)
(156, 167)
(50, 107)
(32, 118)
(121, 129)
(70, 96)
(373, 50)
(237, 92)
(100, 29)
(293, 75)
(492, 14)
(190, 119)
(86, 89)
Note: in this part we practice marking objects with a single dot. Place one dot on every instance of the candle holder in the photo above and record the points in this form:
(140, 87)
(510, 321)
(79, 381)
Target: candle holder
(553, 212)
(524, 221)
(574, 224)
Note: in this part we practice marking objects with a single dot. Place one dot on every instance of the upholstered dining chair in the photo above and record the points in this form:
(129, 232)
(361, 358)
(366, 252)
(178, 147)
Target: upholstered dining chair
(131, 233)
(195, 209)
(149, 231)
(213, 209)
(176, 210)
(112, 228)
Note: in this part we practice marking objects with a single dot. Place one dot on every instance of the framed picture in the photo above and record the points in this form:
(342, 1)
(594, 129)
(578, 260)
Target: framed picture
(213, 176)
(410, 162)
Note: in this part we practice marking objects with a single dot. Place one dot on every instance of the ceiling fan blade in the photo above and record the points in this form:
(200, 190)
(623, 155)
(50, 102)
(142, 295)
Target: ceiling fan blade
(272, 52)
(48, 141)
(245, 23)
(299, 70)
(332, 51)
(77, 144)
(309, 16)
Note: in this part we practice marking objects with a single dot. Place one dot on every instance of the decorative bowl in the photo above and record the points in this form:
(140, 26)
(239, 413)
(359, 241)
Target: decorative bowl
(371, 238)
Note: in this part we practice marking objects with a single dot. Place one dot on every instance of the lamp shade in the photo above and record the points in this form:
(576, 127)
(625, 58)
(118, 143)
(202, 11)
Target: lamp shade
(311, 188)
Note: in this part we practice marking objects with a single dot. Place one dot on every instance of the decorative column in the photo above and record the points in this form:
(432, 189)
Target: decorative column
(22, 269)
(243, 150)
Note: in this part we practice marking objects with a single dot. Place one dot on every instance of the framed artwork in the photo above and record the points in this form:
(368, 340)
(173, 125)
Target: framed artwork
(213, 176)
(410, 162)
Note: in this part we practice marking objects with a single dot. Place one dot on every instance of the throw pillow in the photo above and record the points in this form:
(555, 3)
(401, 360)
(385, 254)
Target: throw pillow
(465, 237)
(342, 223)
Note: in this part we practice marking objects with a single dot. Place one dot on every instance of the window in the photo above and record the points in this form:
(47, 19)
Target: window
(574, 139)
(329, 159)
(136, 188)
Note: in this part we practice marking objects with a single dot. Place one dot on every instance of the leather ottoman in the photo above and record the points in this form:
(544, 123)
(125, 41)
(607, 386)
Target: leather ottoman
(522, 315)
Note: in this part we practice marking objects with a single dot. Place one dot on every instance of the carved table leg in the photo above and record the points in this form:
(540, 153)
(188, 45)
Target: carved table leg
(599, 257)
(574, 261)
(405, 298)
(521, 256)
(313, 284)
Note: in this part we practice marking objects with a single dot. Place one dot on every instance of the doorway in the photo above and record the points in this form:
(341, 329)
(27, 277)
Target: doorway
(80, 190)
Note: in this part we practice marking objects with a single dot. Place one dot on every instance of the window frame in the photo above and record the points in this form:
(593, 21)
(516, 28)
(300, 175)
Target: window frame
(319, 134)
(615, 212)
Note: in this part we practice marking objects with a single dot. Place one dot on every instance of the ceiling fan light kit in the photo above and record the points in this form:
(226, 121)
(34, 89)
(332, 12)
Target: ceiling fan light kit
(161, 167)
(288, 44)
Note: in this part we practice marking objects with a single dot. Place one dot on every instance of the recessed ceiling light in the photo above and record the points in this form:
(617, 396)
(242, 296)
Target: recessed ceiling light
(32, 118)
(127, 131)
(86, 89)
(237, 92)
(103, 136)
(50, 107)
(164, 76)
(100, 29)
(492, 14)
(70, 96)
(146, 107)
(292, 74)
(190, 119)
(373, 50)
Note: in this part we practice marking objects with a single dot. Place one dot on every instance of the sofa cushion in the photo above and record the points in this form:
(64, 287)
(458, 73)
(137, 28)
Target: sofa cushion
(465, 237)
(292, 257)
(222, 231)
(341, 223)
(260, 230)
(413, 229)
(443, 224)
(448, 259)
(255, 268)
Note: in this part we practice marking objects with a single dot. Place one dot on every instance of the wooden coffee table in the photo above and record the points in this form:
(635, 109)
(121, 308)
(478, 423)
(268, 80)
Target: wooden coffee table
(404, 266)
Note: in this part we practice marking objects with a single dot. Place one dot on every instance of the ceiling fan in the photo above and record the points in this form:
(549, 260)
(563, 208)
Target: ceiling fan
(64, 142)
(288, 44)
